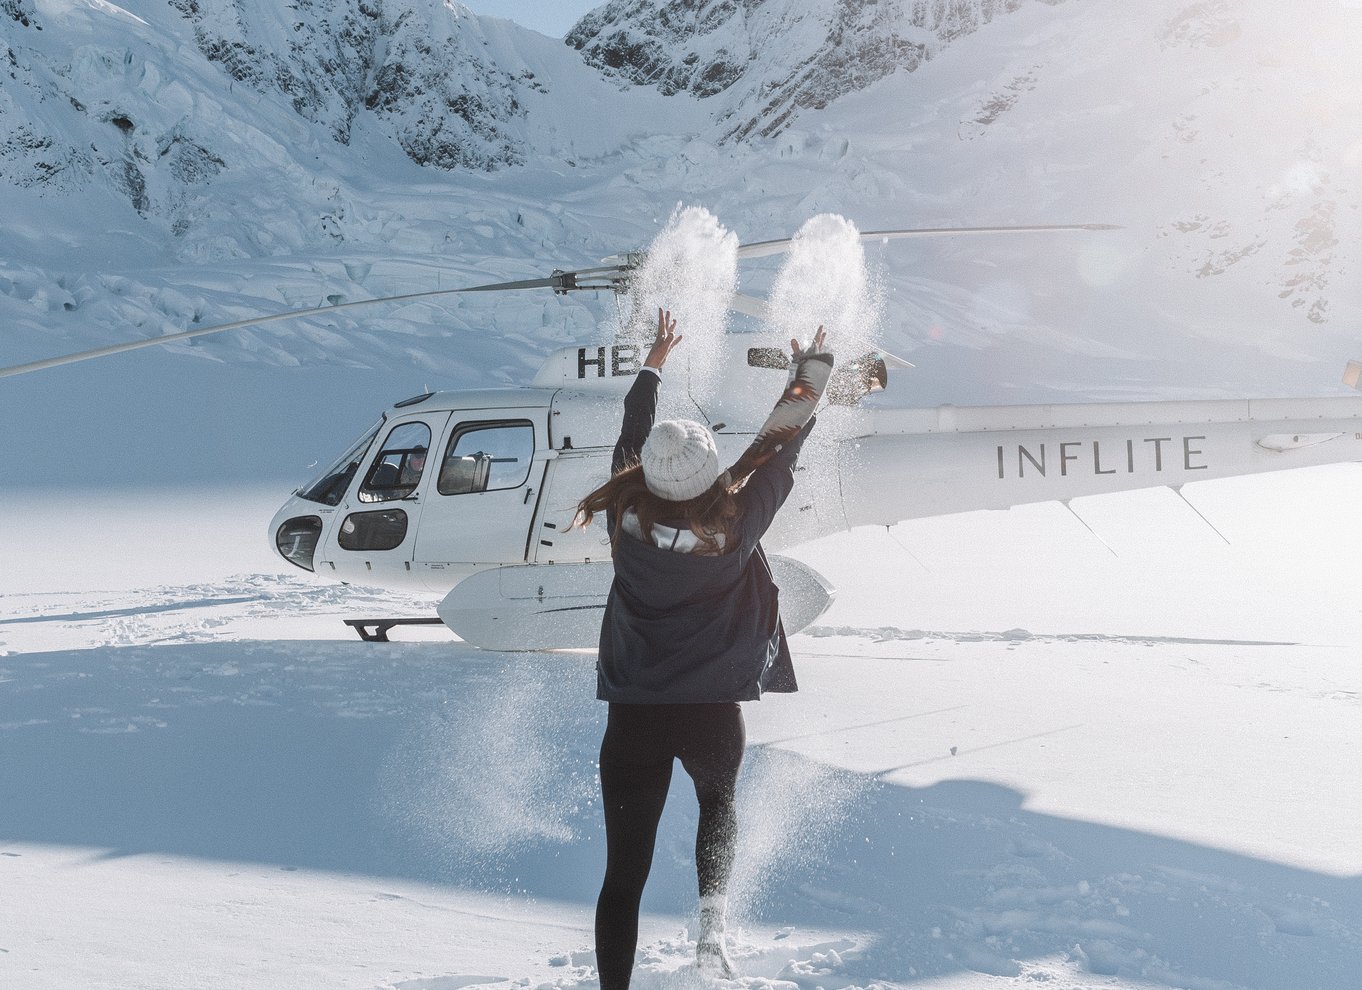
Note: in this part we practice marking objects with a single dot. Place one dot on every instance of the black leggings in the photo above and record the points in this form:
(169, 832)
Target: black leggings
(636, 769)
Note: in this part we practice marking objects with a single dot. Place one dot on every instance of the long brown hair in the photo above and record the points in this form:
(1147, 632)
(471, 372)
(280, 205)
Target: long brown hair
(709, 515)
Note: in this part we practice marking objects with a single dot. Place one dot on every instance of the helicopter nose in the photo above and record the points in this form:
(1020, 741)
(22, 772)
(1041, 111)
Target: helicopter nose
(296, 540)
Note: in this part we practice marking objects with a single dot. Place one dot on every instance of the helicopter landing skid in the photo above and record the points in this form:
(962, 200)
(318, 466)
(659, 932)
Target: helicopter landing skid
(381, 626)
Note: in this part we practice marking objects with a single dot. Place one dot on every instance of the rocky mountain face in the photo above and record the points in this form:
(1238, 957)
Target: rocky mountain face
(148, 96)
(421, 69)
(18, 10)
(30, 154)
(186, 111)
(772, 58)
(422, 73)
(204, 131)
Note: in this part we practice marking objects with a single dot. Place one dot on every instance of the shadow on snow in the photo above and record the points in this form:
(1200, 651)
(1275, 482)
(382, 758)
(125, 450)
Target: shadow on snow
(442, 764)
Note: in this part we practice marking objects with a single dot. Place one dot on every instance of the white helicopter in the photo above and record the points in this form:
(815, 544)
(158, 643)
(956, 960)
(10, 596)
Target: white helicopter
(472, 493)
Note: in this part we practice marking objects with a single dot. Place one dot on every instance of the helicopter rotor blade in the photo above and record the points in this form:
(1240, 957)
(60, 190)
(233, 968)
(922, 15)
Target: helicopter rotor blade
(893, 361)
(561, 282)
(611, 276)
(763, 249)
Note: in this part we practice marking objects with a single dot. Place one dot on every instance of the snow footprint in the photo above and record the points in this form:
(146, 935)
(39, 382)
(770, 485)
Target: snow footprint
(778, 965)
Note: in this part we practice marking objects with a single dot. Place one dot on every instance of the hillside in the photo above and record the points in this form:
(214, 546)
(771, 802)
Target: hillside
(173, 165)
(176, 149)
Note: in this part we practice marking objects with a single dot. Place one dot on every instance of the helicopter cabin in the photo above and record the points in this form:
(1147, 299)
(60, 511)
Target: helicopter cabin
(449, 483)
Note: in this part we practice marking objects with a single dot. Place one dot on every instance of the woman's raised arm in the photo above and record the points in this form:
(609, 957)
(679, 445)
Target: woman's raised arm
(810, 370)
(666, 339)
(640, 404)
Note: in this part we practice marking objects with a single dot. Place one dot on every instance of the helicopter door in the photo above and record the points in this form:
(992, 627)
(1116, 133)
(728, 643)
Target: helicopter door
(571, 475)
(379, 518)
(484, 497)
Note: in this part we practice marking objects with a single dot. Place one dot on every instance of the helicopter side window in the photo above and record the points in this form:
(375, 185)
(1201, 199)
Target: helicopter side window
(397, 469)
(485, 457)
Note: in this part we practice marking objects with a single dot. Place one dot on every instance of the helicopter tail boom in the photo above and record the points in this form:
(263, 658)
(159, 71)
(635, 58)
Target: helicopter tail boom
(926, 462)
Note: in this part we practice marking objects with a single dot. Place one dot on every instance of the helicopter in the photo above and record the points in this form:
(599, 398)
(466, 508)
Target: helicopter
(472, 494)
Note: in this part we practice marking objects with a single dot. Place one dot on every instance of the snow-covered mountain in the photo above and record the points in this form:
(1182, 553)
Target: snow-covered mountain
(772, 58)
(156, 100)
(422, 70)
(167, 165)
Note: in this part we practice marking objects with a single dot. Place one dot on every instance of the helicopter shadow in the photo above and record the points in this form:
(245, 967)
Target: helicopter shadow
(445, 765)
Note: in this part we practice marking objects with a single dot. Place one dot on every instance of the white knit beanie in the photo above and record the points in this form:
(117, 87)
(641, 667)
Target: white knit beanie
(680, 460)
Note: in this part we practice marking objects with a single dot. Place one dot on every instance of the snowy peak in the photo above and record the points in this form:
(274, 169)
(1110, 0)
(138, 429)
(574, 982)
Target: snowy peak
(773, 58)
(150, 99)
(180, 112)
(420, 68)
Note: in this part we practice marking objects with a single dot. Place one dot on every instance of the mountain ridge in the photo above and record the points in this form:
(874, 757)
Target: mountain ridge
(778, 56)
(148, 190)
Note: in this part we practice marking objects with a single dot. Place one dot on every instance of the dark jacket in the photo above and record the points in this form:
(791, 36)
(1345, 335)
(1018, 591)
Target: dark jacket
(688, 627)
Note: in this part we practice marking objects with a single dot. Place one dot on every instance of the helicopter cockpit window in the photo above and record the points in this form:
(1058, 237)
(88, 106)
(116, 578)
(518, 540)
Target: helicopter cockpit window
(330, 488)
(487, 457)
(397, 469)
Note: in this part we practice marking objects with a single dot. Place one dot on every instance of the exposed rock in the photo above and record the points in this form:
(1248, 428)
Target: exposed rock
(420, 68)
(188, 162)
(772, 57)
(29, 159)
(32, 153)
(21, 11)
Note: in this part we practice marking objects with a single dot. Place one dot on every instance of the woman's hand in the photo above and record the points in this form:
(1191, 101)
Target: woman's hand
(666, 339)
(818, 346)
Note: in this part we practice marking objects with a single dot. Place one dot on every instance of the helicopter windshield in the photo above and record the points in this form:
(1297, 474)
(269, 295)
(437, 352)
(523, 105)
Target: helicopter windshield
(330, 488)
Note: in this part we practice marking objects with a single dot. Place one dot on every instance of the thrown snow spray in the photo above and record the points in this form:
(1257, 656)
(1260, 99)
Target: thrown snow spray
(482, 784)
(691, 268)
(789, 811)
(824, 281)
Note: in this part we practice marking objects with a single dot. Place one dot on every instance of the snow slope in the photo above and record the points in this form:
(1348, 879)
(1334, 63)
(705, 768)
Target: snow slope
(1229, 155)
(1015, 758)
(1221, 137)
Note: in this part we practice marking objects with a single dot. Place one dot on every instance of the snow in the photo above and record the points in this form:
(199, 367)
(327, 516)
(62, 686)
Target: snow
(1100, 745)
(1013, 755)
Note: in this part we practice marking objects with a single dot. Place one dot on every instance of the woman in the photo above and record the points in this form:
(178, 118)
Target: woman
(692, 627)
